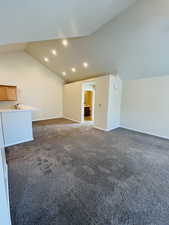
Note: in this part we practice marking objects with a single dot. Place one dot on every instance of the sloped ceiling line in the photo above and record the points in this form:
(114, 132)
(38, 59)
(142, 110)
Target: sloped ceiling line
(134, 44)
(26, 21)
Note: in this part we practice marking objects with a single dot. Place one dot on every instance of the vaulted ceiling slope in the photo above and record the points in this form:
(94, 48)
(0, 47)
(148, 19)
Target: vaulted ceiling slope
(135, 45)
(12, 47)
(34, 20)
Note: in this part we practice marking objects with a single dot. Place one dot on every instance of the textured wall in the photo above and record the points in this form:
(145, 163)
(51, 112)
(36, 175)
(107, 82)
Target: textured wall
(145, 105)
(72, 101)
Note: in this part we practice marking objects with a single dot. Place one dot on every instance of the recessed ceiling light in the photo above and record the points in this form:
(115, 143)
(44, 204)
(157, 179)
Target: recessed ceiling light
(85, 64)
(64, 73)
(46, 59)
(73, 70)
(54, 52)
(65, 42)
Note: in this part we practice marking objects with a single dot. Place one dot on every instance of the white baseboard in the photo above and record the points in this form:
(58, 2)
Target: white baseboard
(99, 128)
(87, 123)
(49, 118)
(107, 130)
(113, 128)
(19, 142)
(68, 118)
(144, 132)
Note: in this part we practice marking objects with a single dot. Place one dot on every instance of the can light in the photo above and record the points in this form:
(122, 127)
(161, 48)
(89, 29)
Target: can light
(73, 70)
(65, 42)
(46, 59)
(54, 52)
(85, 64)
(64, 73)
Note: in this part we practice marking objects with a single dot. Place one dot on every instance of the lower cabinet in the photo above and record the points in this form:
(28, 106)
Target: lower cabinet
(17, 126)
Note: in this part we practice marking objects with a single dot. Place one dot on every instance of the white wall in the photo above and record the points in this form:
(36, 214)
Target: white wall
(101, 101)
(107, 101)
(36, 85)
(4, 208)
(72, 101)
(145, 105)
(114, 102)
(4, 196)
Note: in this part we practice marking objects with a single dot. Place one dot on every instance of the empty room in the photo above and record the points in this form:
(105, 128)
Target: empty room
(84, 112)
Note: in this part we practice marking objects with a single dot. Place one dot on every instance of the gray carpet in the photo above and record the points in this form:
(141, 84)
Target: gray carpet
(72, 175)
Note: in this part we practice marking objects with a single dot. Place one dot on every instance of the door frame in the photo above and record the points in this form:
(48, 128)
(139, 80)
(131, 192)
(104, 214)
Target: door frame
(88, 87)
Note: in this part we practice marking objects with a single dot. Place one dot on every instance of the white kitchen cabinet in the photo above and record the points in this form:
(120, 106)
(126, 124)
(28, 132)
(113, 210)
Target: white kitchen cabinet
(17, 126)
(4, 193)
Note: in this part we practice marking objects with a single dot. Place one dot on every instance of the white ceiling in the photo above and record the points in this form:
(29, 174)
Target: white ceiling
(34, 20)
(13, 47)
(135, 45)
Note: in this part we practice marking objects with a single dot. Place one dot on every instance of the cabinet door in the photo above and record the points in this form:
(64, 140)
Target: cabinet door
(11, 93)
(17, 127)
(8, 93)
(3, 93)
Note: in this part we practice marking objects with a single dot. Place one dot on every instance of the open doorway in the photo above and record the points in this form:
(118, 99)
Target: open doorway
(88, 95)
(88, 103)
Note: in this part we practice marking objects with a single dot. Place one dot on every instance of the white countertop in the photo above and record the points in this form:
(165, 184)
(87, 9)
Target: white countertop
(14, 110)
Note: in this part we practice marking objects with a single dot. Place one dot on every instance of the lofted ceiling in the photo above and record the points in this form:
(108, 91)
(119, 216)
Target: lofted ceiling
(35, 20)
(12, 47)
(135, 44)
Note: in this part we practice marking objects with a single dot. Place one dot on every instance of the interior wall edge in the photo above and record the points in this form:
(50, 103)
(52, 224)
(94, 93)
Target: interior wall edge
(47, 118)
(144, 132)
(69, 118)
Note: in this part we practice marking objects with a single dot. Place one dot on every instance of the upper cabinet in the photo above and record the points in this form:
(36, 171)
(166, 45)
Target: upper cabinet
(8, 93)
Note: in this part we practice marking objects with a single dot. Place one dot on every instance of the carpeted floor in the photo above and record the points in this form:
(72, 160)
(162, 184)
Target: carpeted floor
(76, 175)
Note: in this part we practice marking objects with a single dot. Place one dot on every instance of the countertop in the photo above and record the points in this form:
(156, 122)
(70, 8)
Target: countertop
(15, 110)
